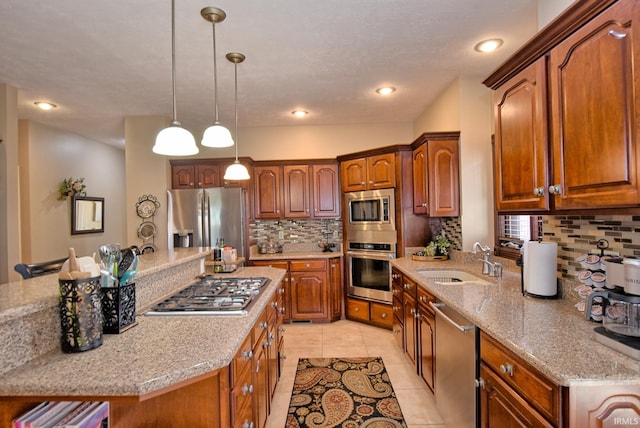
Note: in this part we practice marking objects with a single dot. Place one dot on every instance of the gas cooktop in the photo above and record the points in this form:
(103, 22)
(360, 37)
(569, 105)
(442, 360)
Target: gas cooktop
(212, 296)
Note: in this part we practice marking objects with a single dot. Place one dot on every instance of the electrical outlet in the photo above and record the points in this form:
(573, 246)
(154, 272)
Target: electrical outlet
(281, 234)
(335, 234)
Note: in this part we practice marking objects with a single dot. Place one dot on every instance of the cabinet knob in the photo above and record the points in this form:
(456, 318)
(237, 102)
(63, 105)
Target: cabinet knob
(424, 205)
(395, 276)
(538, 191)
(383, 316)
(356, 310)
(282, 310)
(396, 309)
(479, 383)
(370, 181)
(308, 265)
(247, 355)
(263, 325)
(506, 368)
(247, 389)
(412, 311)
(423, 299)
(555, 189)
(407, 286)
(362, 183)
(281, 291)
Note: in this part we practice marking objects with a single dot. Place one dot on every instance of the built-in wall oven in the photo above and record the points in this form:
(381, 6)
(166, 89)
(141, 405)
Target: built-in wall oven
(369, 269)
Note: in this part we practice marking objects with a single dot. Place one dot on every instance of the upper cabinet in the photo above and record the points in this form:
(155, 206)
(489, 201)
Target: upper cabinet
(567, 121)
(521, 158)
(373, 172)
(202, 174)
(296, 191)
(595, 112)
(436, 177)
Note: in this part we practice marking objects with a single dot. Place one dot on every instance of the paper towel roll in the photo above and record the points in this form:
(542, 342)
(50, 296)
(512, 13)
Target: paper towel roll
(539, 273)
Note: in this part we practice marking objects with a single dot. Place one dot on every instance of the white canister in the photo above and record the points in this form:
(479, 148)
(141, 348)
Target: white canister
(632, 275)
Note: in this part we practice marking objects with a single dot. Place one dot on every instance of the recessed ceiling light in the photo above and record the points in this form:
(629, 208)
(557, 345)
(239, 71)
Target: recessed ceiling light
(489, 45)
(387, 90)
(44, 105)
(299, 113)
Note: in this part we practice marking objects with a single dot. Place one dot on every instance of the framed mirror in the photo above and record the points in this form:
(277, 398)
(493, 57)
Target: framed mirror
(87, 215)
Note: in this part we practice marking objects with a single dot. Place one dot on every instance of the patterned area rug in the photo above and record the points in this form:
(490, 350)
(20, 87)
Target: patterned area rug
(343, 392)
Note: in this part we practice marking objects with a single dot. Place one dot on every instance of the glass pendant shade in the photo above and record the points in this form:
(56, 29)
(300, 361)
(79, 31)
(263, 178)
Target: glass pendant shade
(217, 136)
(236, 171)
(175, 141)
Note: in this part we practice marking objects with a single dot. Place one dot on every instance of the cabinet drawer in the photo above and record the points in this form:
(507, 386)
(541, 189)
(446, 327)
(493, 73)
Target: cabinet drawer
(409, 286)
(271, 263)
(358, 309)
(529, 383)
(241, 361)
(304, 265)
(381, 314)
(241, 397)
(424, 297)
(396, 308)
(259, 328)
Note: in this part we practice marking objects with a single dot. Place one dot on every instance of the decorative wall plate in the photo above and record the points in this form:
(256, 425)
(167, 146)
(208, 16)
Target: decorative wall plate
(146, 230)
(146, 206)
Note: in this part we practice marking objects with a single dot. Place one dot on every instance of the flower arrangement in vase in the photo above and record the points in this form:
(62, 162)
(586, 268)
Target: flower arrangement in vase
(71, 187)
(438, 249)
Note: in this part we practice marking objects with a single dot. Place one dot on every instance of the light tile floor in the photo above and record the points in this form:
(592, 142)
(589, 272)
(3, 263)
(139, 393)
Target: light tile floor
(350, 339)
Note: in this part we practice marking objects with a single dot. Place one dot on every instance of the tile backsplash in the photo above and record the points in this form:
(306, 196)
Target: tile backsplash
(299, 231)
(577, 235)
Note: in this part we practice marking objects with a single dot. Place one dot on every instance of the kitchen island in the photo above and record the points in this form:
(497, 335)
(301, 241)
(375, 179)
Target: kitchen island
(160, 363)
(551, 336)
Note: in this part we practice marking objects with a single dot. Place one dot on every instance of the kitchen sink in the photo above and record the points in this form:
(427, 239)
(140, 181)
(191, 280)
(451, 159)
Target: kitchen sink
(452, 277)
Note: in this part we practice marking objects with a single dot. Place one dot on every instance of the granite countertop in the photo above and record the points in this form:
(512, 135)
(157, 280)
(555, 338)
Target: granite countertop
(158, 352)
(551, 335)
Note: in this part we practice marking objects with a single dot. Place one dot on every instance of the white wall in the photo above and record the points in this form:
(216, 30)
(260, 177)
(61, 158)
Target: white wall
(465, 106)
(549, 9)
(54, 155)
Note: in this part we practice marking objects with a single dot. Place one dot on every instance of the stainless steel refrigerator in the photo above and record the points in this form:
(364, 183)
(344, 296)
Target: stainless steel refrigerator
(199, 217)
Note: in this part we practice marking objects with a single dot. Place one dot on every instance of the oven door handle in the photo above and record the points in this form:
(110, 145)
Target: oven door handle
(371, 255)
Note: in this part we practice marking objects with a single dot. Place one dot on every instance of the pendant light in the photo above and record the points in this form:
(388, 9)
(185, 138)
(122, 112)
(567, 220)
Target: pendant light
(216, 135)
(174, 140)
(236, 171)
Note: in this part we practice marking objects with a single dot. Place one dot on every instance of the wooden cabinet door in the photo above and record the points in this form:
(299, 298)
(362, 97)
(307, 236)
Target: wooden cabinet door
(267, 191)
(326, 191)
(500, 407)
(208, 176)
(309, 297)
(297, 189)
(183, 176)
(426, 346)
(420, 180)
(409, 311)
(444, 178)
(521, 155)
(381, 171)
(354, 175)
(595, 100)
(335, 285)
(260, 383)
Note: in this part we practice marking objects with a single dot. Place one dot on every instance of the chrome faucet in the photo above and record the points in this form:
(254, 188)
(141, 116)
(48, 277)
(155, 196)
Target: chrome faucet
(488, 268)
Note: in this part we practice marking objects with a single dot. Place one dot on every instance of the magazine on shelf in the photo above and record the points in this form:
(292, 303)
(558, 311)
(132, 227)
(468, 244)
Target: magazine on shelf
(62, 423)
(91, 417)
(32, 414)
(57, 413)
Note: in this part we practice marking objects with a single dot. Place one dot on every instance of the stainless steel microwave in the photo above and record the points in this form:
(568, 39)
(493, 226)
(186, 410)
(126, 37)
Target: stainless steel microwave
(371, 210)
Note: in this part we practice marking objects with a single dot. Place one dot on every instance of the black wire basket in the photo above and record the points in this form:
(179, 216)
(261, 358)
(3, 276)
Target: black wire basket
(80, 314)
(118, 308)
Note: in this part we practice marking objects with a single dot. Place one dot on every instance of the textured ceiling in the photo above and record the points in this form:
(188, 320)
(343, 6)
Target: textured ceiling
(102, 61)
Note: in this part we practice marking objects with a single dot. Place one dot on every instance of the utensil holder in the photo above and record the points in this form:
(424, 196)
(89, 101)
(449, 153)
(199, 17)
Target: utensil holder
(118, 308)
(80, 314)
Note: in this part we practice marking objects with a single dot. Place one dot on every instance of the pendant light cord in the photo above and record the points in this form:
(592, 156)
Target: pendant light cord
(215, 74)
(173, 60)
(235, 68)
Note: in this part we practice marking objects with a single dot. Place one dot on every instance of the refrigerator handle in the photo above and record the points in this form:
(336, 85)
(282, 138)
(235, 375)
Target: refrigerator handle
(206, 220)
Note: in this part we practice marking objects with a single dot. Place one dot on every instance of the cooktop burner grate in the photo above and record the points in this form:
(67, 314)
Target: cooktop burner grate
(212, 296)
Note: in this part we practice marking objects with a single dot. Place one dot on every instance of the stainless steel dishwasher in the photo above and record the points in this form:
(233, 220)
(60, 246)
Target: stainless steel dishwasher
(456, 368)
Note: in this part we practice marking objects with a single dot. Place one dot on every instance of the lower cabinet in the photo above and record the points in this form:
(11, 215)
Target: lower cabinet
(414, 324)
(312, 288)
(513, 393)
(375, 313)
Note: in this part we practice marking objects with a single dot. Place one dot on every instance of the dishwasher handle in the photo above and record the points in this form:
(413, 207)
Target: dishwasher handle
(463, 328)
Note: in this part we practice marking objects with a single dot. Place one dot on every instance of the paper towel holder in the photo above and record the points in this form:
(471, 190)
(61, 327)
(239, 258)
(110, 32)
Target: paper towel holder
(520, 262)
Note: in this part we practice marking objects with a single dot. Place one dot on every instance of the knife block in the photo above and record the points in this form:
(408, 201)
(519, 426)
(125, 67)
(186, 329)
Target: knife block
(118, 308)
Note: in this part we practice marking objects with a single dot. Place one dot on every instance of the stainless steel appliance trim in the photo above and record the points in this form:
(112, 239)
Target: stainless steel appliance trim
(387, 195)
(365, 292)
(456, 354)
(463, 328)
